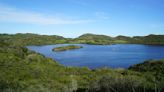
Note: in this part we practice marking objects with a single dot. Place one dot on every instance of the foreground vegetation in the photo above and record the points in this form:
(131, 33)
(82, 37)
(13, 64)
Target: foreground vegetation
(69, 47)
(22, 70)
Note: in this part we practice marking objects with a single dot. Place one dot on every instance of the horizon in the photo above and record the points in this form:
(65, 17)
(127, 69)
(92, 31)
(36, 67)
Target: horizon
(72, 18)
(79, 35)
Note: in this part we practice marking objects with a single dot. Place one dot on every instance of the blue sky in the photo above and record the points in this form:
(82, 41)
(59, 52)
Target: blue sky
(71, 18)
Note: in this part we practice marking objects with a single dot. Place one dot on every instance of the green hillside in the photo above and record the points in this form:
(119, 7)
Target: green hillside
(150, 39)
(149, 66)
(32, 39)
(22, 70)
(103, 39)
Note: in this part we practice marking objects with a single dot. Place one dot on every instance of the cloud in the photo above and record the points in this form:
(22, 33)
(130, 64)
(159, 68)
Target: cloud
(102, 15)
(8, 14)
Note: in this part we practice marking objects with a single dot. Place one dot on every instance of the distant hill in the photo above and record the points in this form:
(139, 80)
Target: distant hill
(103, 39)
(35, 39)
(150, 39)
(94, 39)
(32, 39)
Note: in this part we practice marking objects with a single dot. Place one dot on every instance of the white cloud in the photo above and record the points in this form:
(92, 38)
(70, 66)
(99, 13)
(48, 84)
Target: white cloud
(102, 15)
(8, 14)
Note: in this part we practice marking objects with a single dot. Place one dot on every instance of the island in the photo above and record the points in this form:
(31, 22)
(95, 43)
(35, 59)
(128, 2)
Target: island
(64, 48)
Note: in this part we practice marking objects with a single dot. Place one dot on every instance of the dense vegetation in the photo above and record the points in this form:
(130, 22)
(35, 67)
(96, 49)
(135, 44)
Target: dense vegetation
(22, 70)
(149, 66)
(69, 47)
(150, 39)
(93, 39)
(102, 39)
(34, 39)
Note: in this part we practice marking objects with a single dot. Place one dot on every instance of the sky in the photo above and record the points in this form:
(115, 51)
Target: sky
(72, 18)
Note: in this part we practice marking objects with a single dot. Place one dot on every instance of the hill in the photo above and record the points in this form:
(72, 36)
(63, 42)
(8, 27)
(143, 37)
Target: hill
(94, 39)
(34, 39)
(22, 70)
(150, 39)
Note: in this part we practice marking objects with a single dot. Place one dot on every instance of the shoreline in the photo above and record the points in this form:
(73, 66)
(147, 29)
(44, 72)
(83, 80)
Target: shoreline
(87, 66)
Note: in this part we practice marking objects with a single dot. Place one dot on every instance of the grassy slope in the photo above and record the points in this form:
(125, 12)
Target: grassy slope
(34, 39)
(22, 70)
(103, 39)
(149, 66)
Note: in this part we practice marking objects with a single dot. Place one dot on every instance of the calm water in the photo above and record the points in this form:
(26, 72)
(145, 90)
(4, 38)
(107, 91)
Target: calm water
(96, 56)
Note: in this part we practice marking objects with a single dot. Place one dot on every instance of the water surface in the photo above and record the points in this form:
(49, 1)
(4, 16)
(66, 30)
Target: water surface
(96, 56)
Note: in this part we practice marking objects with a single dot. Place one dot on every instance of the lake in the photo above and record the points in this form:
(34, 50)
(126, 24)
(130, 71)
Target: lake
(97, 56)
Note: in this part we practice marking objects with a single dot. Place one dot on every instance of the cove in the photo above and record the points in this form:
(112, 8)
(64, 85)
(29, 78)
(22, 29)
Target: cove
(97, 56)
